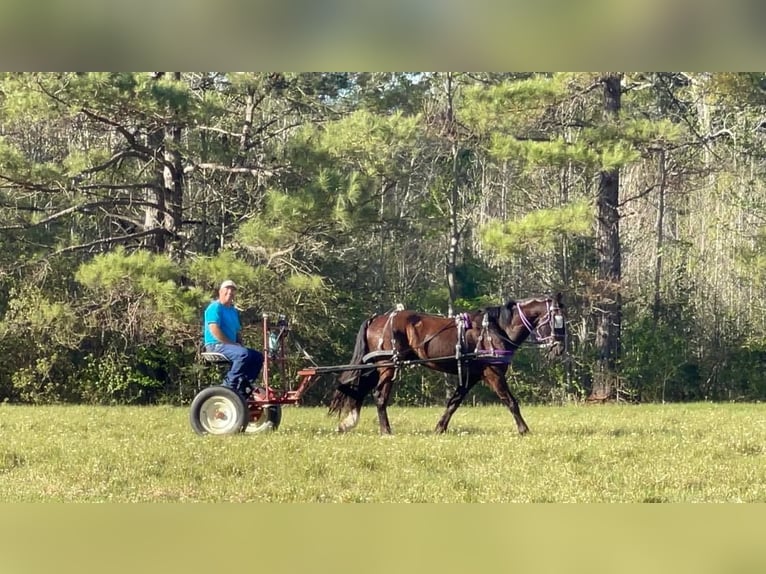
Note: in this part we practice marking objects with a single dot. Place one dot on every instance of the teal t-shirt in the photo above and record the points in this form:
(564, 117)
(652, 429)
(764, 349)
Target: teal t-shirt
(227, 318)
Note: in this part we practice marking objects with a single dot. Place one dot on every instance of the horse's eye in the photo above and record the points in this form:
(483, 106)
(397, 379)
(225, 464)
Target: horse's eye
(558, 322)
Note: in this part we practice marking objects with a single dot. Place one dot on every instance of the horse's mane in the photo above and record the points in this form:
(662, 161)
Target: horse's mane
(500, 314)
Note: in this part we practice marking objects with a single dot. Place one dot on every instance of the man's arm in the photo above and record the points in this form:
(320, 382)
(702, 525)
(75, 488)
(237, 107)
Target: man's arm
(218, 334)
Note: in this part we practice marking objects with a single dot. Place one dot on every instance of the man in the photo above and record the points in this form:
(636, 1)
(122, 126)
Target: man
(222, 334)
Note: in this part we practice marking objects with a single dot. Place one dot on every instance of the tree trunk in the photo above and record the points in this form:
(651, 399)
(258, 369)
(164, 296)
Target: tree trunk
(155, 195)
(660, 240)
(173, 182)
(609, 313)
(165, 215)
(173, 187)
(454, 198)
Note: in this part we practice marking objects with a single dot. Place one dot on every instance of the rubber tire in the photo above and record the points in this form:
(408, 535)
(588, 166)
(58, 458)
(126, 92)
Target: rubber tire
(218, 404)
(271, 416)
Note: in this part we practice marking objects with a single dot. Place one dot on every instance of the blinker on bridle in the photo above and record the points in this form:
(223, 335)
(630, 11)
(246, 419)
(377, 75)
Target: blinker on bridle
(553, 316)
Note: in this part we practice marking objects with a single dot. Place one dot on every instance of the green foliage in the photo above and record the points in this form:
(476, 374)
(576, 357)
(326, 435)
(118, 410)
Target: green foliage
(33, 318)
(78, 161)
(592, 151)
(15, 163)
(37, 337)
(305, 283)
(115, 379)
(11, 158)
(751, 261)
(615, 156)
(655, 362)
(509, 105)
(539, 230)
(740, 89)
(433, 300)
(22, 100)
(120, 270)
(743, 375)
(141, 275)
(209, 272)
(532, 154)
(643, 131)
(374, 144)
(475, 280)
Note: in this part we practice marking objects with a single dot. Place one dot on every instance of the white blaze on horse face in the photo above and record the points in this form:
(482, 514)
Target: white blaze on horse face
(350, 421)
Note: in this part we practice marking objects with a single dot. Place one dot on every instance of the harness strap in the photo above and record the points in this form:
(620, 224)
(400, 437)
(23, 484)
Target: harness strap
(524, 320)
(462, 322)
(389, 321)
(394, 353)
(485, 332)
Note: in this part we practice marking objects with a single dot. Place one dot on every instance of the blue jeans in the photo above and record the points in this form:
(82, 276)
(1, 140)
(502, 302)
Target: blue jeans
(245, 365)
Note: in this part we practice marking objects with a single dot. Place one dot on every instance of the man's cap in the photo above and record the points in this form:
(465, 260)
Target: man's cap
(228, 283)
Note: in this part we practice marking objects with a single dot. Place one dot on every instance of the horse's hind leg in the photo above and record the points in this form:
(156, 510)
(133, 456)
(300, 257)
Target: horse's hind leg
(366, 383)
(498, 384)
(351, 419)
(452, 405)
(381, 394)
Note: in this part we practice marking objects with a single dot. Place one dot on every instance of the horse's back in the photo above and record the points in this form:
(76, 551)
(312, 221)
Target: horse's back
(409, 328)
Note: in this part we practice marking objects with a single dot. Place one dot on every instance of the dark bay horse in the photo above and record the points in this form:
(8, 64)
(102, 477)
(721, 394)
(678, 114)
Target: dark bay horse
(477, 345)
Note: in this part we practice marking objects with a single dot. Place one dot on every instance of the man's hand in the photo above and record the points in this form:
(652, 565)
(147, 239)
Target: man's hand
(218, 334)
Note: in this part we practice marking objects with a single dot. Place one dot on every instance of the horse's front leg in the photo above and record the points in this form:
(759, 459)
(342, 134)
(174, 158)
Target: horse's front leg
(453, 403)
(496, 381)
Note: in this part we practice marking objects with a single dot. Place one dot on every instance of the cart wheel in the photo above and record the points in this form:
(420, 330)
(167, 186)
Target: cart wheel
(218, 410)
(266, 419)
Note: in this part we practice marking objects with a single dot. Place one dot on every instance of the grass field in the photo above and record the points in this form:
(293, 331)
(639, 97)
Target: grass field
(647, 453)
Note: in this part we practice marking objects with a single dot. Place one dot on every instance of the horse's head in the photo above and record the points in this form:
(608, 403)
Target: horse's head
(545, 319)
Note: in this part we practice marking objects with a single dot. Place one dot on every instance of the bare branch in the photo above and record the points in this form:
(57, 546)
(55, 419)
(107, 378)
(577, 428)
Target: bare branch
(220, 131)
(107, 240)
(639, 195)
(28, 185)
(82, 208)
(110, 162)
(116, 186)
(227, 169)
(126, 133)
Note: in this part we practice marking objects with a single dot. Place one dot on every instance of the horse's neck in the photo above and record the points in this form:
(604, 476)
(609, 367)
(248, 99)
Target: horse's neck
(521, 326)
(519, 333)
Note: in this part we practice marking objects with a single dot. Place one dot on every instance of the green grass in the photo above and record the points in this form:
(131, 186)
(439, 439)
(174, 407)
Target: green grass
(647, 453)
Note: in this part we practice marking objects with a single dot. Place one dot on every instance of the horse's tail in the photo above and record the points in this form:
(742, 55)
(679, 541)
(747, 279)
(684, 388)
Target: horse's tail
(349, 389)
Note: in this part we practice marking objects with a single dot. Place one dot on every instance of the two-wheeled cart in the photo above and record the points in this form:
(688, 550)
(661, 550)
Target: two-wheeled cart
(218, 410)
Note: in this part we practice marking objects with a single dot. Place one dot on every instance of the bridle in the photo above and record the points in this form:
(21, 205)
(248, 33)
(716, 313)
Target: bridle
(553, 316)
